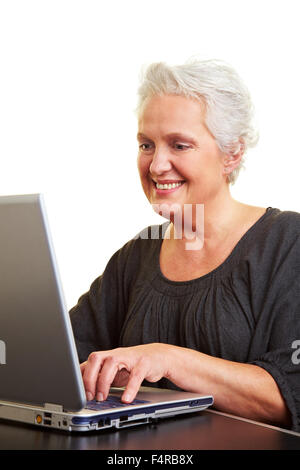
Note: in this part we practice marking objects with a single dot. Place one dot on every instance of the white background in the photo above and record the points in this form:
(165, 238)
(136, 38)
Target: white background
(68, 78)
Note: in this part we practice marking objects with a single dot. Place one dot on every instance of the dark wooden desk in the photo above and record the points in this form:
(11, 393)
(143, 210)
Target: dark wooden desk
(207, 430)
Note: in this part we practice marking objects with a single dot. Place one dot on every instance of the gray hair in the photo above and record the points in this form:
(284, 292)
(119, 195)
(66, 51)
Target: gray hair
(229, 109)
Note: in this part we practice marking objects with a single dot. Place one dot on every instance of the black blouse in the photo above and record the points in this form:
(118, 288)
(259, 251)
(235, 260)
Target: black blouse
(246, 310)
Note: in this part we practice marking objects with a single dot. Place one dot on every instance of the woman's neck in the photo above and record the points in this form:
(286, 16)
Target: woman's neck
(210, 220)
(221, 225)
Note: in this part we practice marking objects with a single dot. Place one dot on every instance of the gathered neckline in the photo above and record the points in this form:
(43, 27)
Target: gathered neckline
(162, 282)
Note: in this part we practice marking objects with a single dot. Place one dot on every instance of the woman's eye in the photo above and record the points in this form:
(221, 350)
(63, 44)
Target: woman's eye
(181, 146)
(144, 147)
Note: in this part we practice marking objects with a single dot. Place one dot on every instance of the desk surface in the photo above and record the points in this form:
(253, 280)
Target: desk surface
(206, 430)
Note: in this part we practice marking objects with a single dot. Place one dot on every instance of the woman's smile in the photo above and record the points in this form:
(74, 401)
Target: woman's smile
(167, 186)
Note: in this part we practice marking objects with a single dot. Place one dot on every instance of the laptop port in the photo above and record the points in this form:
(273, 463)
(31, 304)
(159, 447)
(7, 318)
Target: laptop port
(123, 418)
(124, 424)
(47, 415)
(47, 421)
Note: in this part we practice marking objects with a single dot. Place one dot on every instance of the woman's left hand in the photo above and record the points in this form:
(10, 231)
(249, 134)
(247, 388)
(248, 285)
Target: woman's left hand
(124, 367)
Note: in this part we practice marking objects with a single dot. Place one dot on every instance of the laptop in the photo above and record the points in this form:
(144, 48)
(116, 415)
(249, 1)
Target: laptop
(40, 377)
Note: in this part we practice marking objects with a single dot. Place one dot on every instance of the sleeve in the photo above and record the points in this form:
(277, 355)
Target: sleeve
(279, 329)
(98, 317)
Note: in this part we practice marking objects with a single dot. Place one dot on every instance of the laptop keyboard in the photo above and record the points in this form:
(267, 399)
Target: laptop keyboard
(111, 402)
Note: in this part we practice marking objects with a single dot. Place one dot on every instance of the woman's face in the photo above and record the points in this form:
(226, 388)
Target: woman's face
(175, 147)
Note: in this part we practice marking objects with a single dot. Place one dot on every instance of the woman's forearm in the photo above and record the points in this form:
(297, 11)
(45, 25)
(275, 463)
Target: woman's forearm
(246, 390)
(242, 389)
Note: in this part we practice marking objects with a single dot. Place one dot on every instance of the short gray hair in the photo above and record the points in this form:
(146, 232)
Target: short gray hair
(229, 109)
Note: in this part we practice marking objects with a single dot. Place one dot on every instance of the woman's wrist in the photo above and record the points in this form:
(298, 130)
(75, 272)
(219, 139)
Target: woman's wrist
(242, 389)
(180, 365)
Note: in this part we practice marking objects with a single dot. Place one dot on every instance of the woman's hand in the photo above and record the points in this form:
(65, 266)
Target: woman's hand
(243, 389)
(124, 367)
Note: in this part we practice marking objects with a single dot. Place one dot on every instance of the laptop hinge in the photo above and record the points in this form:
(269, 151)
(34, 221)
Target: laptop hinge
(53, 407)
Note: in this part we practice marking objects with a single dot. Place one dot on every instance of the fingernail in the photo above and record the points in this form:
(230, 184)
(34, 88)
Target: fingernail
(99, 396)
(89, 396)
(126, 397)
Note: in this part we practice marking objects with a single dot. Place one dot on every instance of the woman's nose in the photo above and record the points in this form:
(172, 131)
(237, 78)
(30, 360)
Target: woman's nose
(161, 162)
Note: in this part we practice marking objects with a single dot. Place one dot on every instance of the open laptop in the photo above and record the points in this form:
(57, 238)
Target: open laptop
(40, 378)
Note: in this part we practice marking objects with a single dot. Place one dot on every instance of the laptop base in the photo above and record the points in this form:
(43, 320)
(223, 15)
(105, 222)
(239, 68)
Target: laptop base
(122, 416)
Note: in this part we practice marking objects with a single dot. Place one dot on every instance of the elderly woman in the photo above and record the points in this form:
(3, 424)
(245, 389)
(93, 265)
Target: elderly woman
(220, 317)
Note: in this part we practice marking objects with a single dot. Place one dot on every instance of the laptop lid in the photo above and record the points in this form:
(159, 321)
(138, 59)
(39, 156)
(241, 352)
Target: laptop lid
(39, 357)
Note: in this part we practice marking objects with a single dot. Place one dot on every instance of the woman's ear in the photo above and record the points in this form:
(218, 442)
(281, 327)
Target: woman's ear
(233, 159)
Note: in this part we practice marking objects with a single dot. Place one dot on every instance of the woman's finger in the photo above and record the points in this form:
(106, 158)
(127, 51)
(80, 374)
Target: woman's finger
(91, 372)
(109, 370)
(136, 378)
(82, 367)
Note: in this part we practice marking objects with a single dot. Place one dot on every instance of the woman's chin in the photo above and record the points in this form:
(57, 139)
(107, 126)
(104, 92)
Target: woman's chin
(168, 210)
